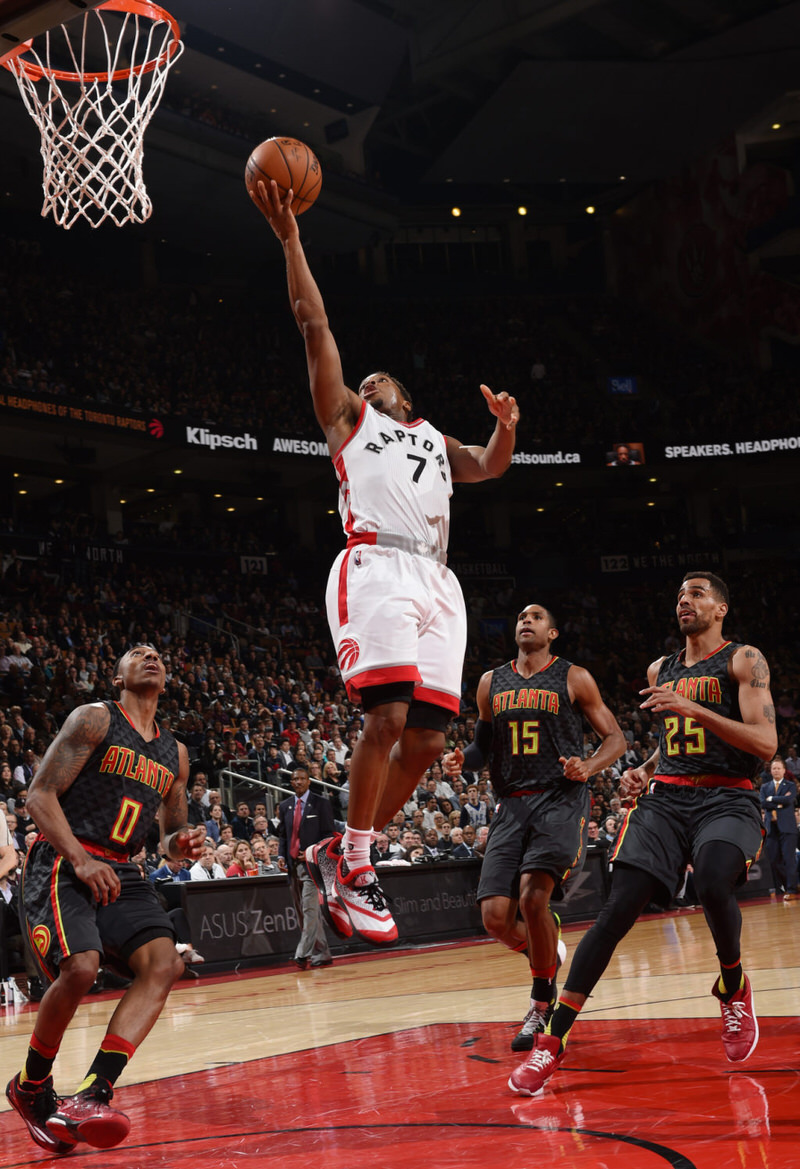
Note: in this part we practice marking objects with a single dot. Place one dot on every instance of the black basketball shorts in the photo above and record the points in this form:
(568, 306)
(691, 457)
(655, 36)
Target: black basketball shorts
(670, 823)
(60, 917)
(544, 831)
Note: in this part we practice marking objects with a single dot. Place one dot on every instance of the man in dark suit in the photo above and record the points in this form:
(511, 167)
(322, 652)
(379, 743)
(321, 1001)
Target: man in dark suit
(462, 846)
(778, 798)
(305, 819)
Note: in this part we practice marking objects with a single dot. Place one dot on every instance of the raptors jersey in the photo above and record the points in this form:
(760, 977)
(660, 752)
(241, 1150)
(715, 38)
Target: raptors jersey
(534, 723)
(394, 477)
(114, 800)
(686, 748)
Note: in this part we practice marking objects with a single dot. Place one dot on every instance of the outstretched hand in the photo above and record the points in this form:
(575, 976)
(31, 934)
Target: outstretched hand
(503, 406)
(277, 212)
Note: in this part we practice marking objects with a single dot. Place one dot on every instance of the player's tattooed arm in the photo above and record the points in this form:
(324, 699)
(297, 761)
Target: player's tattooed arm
(83, 731)
(750, 669)
(69, 752)
(759, 670)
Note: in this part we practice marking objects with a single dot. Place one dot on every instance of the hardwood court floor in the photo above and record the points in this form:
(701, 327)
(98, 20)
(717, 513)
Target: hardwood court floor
(403, 1057)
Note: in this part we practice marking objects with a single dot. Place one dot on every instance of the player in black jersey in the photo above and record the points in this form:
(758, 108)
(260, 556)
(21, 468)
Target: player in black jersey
(104, 778)
(696, 804)
(530, 726)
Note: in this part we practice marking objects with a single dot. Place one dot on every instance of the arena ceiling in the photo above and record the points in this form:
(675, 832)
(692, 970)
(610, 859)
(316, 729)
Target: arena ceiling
(491, 102)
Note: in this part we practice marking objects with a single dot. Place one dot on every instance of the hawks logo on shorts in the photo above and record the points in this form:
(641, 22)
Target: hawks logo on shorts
(41, 939)
(348, 654)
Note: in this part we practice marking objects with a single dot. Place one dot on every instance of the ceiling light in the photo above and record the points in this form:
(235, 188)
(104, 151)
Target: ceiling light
(590, 210)
(455, 212)
(177, 471)
(776, 125)
(522, 211)
(58, 480)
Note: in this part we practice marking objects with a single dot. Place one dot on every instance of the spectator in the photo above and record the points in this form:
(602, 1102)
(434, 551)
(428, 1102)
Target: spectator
(242, 823)
(196, 811)
(207, 868)
(243, 863)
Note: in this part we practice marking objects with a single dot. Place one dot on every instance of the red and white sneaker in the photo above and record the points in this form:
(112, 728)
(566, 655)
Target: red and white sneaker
(322, 861)
(739, 1022)
(359, 892)
(36, 1104)
(87, 1117)
(531, 1076)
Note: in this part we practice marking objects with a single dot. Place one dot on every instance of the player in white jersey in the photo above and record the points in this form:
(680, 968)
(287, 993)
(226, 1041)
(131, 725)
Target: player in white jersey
(396, 611)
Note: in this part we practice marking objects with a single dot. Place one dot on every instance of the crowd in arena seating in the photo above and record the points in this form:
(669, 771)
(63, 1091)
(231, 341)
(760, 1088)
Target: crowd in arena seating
(234, 355)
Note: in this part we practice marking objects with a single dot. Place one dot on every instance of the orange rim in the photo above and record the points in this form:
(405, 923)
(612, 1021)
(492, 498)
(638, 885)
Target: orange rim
(10, 54)
(14, 62)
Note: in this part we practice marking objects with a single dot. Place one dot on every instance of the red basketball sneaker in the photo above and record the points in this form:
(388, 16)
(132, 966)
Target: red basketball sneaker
(322, 861)
(360, 894)
(739, 1022)
(36, 1104)
(87, 1117)
(531, 1076)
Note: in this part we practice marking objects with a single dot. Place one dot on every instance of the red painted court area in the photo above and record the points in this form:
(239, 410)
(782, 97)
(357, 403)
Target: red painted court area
(634, 1095)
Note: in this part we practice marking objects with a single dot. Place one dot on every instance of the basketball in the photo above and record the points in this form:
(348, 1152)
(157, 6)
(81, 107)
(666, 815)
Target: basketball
(291, 164)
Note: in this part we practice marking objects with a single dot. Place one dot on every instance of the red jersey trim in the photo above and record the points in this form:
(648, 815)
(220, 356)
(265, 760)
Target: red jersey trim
(56, 907)
(342, 589)
(554, 658)
(351, 436)
(719, 648)
(705, 779)
(127, 718)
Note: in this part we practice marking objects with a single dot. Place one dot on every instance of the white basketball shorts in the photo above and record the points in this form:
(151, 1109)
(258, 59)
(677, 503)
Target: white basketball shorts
(397, 617)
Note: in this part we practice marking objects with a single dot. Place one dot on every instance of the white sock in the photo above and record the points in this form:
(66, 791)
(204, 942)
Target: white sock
(355, 847)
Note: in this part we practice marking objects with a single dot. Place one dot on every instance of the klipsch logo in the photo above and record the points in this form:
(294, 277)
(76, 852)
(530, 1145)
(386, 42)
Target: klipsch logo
(199, 436)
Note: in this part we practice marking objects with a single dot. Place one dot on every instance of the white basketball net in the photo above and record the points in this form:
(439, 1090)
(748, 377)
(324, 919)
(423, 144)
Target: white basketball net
(92, 116)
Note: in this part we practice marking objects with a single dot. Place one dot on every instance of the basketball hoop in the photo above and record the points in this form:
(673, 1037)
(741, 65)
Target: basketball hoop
(92, 123)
